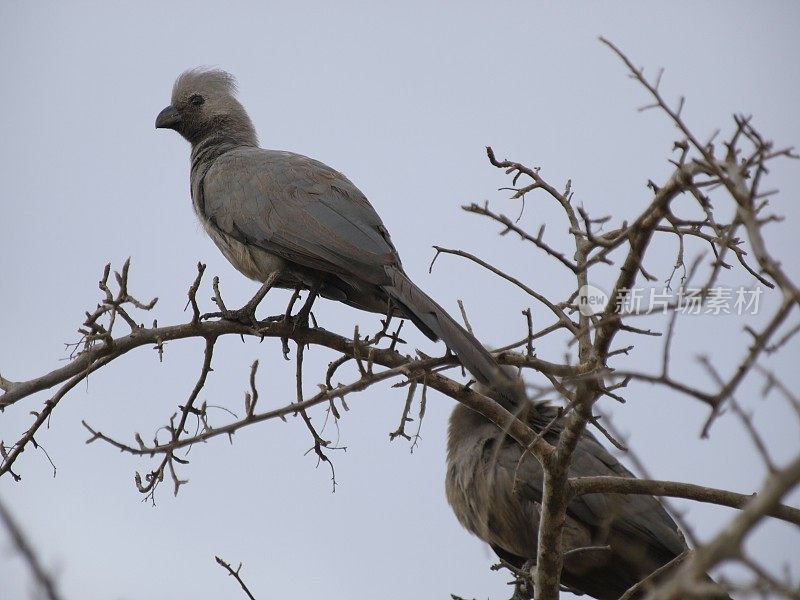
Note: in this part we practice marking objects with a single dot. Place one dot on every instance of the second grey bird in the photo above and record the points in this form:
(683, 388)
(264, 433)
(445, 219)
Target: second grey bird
(272, 212)
(495, 491)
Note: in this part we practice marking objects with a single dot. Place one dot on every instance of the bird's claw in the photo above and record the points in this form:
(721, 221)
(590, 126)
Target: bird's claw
(299, 320)
(245, 315)
(523, 586)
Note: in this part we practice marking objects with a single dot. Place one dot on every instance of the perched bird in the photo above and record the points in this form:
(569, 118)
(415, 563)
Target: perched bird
(496, 494)
(283, 217)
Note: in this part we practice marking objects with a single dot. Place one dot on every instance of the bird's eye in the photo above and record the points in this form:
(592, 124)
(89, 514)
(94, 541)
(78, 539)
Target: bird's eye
(196, 100)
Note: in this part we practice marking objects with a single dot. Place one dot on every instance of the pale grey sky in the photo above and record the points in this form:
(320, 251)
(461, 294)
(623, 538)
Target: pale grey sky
(402, 99)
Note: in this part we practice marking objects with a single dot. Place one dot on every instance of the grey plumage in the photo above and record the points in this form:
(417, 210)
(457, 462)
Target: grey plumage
(271, 211)
(482, 464)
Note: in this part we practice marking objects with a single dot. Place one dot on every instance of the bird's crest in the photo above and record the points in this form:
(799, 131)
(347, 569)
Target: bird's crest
(205, 81)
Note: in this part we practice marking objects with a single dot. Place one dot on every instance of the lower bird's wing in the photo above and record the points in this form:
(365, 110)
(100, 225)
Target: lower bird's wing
(640, 518)
(299, 209)
(513, 487)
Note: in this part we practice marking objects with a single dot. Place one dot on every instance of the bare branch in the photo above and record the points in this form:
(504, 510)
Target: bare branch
(675, 489)
(235, 574)
(43, 579)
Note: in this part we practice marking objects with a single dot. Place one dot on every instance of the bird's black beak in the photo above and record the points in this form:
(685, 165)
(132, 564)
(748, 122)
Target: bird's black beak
(169, 118)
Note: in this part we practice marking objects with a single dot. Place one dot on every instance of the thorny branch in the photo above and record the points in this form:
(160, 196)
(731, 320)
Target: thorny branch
(43, 579)
(235, 574)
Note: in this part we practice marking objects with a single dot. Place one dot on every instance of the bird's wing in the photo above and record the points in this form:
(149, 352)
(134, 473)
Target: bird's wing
(640, 517)
(299, 209)
(516, 483)
(524, 473)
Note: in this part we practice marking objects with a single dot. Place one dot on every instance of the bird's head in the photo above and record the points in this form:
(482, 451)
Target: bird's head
(204, 105)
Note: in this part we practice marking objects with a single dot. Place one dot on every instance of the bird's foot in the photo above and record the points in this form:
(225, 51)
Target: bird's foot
(294, 321)
(245, 315)
(301, 319)
(523, 586)
(520, 593)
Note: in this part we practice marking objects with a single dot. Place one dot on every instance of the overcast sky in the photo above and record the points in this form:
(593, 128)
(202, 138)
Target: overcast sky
(403, 100)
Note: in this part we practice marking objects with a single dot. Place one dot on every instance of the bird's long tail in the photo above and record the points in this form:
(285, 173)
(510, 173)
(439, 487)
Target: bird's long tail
(472, 354)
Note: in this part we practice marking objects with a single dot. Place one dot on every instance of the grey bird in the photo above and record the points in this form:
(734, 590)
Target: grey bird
(496, 494)
(292, 221)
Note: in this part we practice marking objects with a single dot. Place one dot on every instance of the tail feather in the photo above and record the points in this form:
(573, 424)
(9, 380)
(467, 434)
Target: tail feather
(472, 354)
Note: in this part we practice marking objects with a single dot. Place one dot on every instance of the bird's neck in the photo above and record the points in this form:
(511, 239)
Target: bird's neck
(231, 131)
(212, 147)
(209, 149)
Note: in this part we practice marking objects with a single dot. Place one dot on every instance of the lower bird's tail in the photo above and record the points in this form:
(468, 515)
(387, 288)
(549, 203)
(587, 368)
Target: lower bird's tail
(421, 308)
